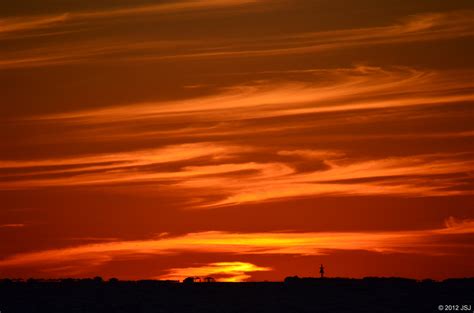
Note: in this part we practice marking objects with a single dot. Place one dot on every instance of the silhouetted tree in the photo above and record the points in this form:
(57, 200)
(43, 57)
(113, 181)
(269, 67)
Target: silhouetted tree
(209, 279)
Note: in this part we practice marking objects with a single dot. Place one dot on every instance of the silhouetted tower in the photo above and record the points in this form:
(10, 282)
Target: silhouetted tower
(321, 271)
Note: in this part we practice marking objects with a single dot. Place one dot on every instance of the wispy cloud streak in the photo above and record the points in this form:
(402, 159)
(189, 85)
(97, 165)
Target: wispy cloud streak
(423, 27)
(315, 243)
(360, 88)
(229, 171)
(17, 225)
(247, 182)
(406, 176)
(25, 23)
(419, 28)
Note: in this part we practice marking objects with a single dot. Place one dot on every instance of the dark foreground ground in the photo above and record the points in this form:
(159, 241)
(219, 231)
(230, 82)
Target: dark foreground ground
(295, 295)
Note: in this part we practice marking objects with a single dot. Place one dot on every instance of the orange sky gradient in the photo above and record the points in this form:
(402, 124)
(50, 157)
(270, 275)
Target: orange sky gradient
(248, 140)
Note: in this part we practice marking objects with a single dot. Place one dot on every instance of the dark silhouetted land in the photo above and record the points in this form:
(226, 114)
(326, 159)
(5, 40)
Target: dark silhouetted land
(294, 295)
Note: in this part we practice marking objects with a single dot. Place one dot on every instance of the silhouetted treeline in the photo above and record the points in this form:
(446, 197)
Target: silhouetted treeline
(370, 294)
(400, 281)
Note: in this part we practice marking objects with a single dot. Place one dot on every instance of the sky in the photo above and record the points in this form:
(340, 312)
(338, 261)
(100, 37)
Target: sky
(247, 140)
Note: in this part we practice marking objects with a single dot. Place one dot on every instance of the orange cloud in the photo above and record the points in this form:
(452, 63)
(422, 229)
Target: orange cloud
(12, 225)
(247, 182)
(14, 24)
(228, 172)
(342, 90)
(409, 176)
(166, 154)
(312, 154)
(24, 23)
(222, 271)
(457, 226)
(110, 168)
(292, 243)
(423, 27)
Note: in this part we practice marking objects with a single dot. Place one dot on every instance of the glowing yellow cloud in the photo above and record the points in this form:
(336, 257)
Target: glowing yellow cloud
(222, 271)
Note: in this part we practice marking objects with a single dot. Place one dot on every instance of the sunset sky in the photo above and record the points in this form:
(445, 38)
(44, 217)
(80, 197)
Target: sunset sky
(248, 140)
